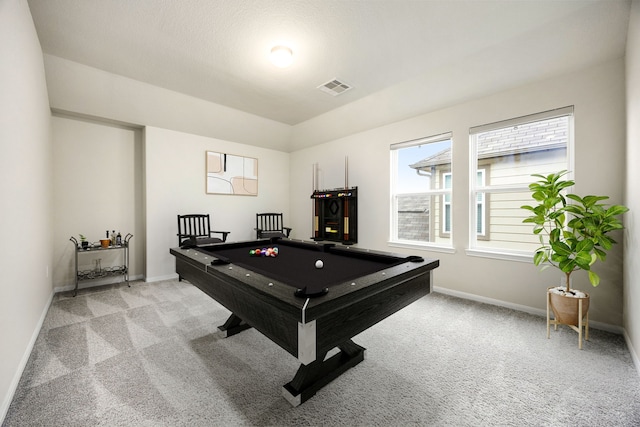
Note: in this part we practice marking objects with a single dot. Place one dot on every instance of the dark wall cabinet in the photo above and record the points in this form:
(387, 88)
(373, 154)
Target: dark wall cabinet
(336, 215)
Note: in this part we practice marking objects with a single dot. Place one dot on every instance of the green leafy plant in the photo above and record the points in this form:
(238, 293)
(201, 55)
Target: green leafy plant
(573, 236)
(82, 238)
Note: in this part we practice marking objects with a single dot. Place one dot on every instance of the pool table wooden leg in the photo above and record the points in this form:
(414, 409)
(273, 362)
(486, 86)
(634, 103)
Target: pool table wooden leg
(233, 326)
(312, 377)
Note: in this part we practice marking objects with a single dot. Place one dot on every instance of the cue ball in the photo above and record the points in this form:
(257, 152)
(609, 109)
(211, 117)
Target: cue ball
(319, 264)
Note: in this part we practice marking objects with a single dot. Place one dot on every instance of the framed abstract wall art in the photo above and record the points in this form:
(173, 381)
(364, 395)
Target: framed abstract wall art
(231, 174)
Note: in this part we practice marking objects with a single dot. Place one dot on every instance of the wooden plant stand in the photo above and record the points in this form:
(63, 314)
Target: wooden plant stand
(582, 323)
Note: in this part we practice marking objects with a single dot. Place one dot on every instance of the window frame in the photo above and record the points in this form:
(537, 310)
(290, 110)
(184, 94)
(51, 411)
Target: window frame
(444, 231)
(484, 235)
(394, 240)
(475, 249)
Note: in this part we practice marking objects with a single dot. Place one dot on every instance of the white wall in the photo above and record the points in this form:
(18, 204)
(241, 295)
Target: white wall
(81, 89)
(175, 184)
(172, 182)
(97, 186)
(632, 193)
(598, 97)
(25, 193)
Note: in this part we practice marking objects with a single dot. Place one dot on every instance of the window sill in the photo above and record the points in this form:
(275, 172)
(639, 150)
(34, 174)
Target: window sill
(502, 255)
(422, 246)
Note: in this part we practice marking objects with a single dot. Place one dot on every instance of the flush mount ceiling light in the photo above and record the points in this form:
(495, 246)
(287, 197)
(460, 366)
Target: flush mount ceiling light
(281, 56)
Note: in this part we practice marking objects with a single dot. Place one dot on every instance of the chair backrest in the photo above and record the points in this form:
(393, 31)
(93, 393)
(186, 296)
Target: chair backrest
(193, 225)
(269, 222)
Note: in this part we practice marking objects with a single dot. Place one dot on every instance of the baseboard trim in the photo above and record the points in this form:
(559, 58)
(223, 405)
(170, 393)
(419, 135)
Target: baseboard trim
(161, 278)
(95, 283)
(634, 355)
(531, 310)
(13, 386)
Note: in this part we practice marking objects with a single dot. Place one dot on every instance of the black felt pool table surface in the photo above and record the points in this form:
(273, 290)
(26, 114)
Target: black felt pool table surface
(295, 265)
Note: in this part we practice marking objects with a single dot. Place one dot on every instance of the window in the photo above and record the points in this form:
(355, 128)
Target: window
(421, 186)
(504, 156)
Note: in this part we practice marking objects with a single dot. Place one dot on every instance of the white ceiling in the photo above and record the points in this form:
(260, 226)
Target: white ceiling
(217, 49)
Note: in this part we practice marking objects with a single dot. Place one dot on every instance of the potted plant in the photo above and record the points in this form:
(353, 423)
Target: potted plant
(573, 236)
(83, 241)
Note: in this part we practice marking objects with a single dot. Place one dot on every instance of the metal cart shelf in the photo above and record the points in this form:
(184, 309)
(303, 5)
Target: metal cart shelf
(99, 272)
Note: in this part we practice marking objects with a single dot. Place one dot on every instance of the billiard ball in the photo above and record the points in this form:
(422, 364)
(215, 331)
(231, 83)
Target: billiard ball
(319, 264)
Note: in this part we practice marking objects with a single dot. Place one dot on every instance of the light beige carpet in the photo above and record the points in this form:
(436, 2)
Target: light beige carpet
(149, 355)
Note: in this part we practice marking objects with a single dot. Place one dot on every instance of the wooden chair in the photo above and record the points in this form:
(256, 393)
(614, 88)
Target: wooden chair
(270, 225)
(195, 229)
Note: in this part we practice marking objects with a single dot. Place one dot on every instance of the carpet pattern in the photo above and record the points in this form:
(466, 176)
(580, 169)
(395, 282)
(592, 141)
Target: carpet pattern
(150, 355)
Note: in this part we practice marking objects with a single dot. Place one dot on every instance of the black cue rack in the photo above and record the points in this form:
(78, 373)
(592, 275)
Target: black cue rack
(335, 215)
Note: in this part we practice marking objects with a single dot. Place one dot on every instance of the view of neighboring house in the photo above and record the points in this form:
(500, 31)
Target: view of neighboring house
(506, 159)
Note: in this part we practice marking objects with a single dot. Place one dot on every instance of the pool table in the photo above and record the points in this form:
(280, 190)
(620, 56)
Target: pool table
(306, 310)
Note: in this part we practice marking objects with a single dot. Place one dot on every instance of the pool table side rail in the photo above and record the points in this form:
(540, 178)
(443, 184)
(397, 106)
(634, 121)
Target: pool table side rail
(274, 311)
(264, 312)
(363, 287)
(357, 315)
(281, 294)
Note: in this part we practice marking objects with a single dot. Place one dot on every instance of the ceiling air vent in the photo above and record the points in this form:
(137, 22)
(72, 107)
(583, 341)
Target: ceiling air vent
(334, 87)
